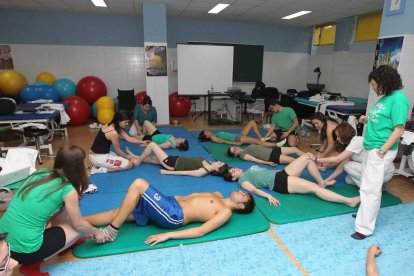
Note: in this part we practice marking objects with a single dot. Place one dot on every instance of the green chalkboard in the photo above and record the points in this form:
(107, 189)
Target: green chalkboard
(247, 63)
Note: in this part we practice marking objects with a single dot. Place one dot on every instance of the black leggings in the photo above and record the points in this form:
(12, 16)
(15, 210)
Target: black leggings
(54, 239)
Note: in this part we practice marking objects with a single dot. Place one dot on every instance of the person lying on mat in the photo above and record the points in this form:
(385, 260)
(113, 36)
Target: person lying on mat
(287, 181)
(351, 160)
(342, 135)
(48, 196)
(223, 137)
(179, 165)
(326, 127)
(144, 203)
(100, 155)
(265, 155)
(165, 141)
(371, 266)
(7, 263)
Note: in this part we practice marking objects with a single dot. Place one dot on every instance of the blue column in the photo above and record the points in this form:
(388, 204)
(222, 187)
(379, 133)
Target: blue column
(155, 34)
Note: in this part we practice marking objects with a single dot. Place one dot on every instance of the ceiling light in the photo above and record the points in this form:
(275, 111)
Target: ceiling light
(218, 8)
(296, 14)
(99, 3)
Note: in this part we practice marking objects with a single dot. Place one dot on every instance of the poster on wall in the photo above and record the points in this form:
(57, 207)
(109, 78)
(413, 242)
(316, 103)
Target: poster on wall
(156, 60)
(6, 60)
(388, 51)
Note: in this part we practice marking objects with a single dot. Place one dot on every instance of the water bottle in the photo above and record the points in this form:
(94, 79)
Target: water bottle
(304, 131)
(211, 89)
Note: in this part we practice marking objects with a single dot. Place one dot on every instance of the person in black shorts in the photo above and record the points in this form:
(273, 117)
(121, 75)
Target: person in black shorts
(287, 181)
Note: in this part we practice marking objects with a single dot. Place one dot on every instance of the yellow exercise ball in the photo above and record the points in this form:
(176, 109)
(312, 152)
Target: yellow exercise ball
(105, 102)
(105, 116)
(11, 82)
(46, 77)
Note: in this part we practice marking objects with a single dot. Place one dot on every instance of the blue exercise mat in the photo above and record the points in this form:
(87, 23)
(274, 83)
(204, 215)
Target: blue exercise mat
(324, 245)
(254, 254)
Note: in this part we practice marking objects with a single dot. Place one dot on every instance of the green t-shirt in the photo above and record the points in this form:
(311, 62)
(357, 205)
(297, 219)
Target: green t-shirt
(259, 177)
(25, 220)
(162, 138)
(258, 151)
(389, 112)
(227, 136)
(186, 163)
(284, 119)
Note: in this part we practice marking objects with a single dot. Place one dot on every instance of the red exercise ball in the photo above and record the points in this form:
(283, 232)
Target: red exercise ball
(78, 110)
(179, 106)
(139, 97)
(91, 89)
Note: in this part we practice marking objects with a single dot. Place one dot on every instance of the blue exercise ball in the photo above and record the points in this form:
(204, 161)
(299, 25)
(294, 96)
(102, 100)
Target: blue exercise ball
(29, 93)
(65, 87)
(94, 110)
(49, 92)
(39, 83)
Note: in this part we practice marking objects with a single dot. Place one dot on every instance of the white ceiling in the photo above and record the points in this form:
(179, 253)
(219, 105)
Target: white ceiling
(248, 11)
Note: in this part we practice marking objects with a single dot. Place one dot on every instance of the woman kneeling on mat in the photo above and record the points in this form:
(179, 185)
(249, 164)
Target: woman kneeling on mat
(180, 165)
(287, 181)
(223, 137)
(100, 155)
(264, 155)
(165, 141)
(48, 196)
(342, 136)
(326, 127)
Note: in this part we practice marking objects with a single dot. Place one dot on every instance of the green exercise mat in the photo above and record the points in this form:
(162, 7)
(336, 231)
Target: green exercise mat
(131, 237)
(300, 207)
(218, 152)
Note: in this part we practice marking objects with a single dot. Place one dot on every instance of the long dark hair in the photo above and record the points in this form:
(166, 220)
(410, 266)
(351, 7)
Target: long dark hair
(68, 168)
(202, 136)
(387, 78)
(120, 115)
(321, 117)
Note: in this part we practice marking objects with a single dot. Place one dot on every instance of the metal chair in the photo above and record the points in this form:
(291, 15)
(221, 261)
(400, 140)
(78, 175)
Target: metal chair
(36, 134)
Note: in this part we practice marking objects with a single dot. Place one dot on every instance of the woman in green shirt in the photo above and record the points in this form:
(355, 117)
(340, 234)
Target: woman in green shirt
(48, 196)
(179, 165)
(223, 137)
(385, 125)
(165, 141)
(287, 181)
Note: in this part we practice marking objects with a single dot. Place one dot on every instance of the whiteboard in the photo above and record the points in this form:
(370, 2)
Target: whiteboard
(200, 66)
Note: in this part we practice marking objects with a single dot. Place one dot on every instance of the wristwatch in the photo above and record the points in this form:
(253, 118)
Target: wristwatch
(382, 152)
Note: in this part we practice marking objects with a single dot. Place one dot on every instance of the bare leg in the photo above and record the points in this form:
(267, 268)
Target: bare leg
(293, 141)
(284, 159)
(250, 140)
(251, 125)
(298, 185)
(291, 150)
(296, 168)
(149, 127)
(129, 166)
(118, 216)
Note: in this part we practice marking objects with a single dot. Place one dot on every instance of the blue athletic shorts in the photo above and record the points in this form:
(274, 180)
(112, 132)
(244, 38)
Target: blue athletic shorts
(164, 211)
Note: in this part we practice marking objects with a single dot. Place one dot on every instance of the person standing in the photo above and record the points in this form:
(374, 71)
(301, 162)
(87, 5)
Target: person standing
(385, 125)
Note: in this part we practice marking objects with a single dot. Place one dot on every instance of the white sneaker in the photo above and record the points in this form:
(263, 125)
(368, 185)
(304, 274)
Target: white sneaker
(348, 180)
(267, 126)
(98, 170)
(91, 189)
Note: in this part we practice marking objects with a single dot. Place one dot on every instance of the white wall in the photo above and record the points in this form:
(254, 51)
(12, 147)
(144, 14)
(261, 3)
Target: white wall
(124, 68)
(118, 67)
